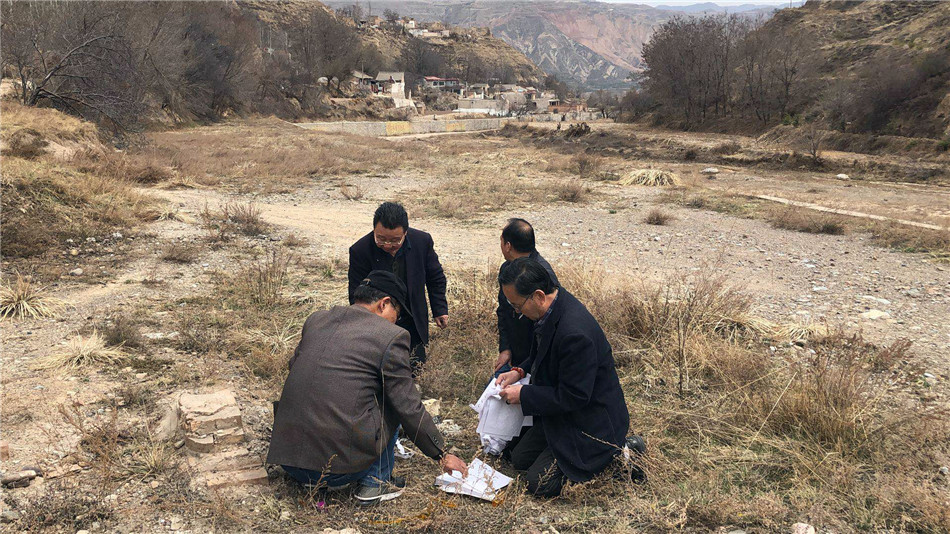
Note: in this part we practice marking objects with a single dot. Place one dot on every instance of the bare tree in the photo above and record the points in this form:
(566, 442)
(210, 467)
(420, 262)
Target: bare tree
(74, 56)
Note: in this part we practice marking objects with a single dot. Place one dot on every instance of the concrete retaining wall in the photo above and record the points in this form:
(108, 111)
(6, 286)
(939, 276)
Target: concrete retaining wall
(388, 128)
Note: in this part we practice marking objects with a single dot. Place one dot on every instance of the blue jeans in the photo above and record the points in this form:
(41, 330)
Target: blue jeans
(380, 471)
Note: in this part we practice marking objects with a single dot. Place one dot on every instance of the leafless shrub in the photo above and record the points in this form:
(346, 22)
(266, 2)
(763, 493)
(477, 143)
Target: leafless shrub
(572, 192)
(123, 331)
(262, 282)
(804, 220)
(247, 217)
(180, 253)
(657, 217)
(585, 166)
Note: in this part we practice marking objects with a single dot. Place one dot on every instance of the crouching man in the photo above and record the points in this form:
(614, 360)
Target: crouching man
(580, 417)
(349, 388)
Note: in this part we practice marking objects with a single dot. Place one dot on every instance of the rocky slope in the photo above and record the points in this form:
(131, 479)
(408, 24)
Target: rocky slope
(589, 44)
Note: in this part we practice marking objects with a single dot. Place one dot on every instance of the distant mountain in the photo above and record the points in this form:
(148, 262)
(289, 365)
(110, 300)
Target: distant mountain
(592, 45)
(712, 7)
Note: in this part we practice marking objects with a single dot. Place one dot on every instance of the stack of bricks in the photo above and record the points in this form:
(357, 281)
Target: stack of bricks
(214, 433)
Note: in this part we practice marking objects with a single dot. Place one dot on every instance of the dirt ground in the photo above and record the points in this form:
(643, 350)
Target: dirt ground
(792, 277)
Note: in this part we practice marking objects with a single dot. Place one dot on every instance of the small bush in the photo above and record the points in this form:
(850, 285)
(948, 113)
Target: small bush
(725, 149)
(123, 332)
(572, 192)
(262, 282)
(804, 220)
(247, 217)
(23, 299)
(657, 217)
(585, 166)
(180, 253)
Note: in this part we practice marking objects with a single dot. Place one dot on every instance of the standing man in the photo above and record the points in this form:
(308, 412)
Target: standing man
(349, 389)
(580, 416)
(514, 329)
(409, 254)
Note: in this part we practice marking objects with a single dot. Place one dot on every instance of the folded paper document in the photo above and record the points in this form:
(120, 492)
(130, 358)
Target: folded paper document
(482, 481)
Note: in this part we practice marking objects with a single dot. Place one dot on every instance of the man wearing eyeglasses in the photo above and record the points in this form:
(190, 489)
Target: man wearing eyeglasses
(514, 329)
(410, 255)
(580, 415)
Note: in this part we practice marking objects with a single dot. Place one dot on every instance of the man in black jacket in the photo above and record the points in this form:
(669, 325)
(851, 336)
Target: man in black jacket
(409, 254)
(580, 416)
(514, 329)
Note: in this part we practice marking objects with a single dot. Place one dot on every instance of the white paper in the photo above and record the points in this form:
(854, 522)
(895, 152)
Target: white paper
(498, 421)
(482, 482)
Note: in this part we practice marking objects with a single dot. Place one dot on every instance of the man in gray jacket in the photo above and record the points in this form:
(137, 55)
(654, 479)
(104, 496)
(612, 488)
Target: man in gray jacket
(350, 387)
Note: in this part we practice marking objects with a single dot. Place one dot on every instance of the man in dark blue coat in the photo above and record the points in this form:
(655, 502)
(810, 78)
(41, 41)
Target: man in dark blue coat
(580, 416)
(410, 255)
(514, 329)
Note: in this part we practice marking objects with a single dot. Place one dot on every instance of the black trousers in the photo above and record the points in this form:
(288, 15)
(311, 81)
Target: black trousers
(417, 349)
(532, 454)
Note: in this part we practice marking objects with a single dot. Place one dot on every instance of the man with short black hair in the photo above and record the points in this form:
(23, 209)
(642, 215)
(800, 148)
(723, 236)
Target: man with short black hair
(580, 416)
(349, 388)
(514, 329)
(409, 254)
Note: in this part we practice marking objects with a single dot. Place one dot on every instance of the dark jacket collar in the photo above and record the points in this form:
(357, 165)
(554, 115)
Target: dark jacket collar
(403, 250)
(548, 327)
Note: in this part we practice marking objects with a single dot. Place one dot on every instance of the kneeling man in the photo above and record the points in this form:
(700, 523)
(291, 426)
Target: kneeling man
(350, 387)
(580, 417)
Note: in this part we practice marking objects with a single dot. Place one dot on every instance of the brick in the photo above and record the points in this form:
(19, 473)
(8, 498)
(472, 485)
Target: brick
(233, 460)
(225, 418)
(237, 478)
(199, 443)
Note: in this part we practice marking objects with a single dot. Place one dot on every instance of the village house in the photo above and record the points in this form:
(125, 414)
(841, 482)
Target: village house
(453, 85)
(391, 84)
(363, 81)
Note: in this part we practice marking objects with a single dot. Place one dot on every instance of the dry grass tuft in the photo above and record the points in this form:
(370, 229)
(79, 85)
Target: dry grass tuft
(804, 220)
(351, 192)
(181, 253)
(23, 299)
(658, 217)
(123, 331)
(465, 197)
(82, 351)
(25, 143)
(649, 177)
(262, 282)
(572, 192)
(246, 216)
(294, 241)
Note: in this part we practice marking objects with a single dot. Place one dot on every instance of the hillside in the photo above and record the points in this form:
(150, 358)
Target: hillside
(589, 44)
(473, 47)
(888, 59)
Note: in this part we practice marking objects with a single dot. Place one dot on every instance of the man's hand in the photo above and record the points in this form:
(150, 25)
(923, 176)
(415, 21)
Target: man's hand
(508, 378)
(503, 358)
(442, 321)
(451, 462)
(511, 394)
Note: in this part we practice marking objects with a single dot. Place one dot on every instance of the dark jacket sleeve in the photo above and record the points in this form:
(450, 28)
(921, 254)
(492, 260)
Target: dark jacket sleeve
(577, 373)
(402, 396)
(503, 312)
(360, 266)
(435, 281)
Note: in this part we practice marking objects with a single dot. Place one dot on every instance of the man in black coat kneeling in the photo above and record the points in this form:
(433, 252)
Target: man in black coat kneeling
(580, 417)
